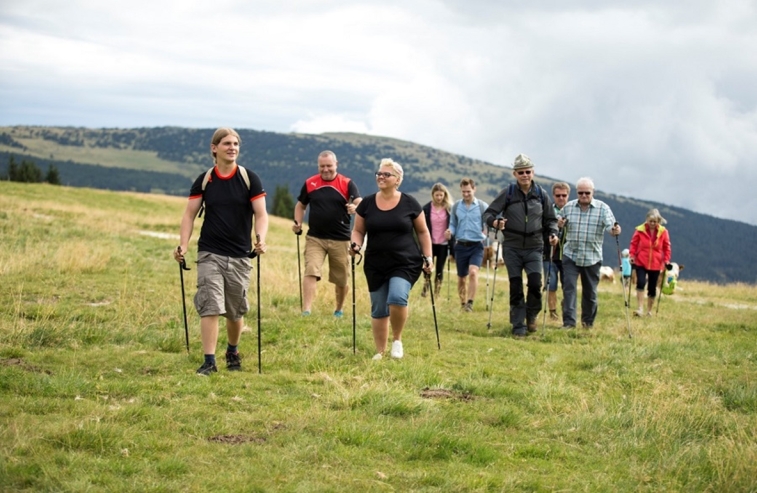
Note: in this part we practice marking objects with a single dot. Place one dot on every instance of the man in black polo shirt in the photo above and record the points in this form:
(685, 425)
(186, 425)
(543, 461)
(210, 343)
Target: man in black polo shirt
(332, 198)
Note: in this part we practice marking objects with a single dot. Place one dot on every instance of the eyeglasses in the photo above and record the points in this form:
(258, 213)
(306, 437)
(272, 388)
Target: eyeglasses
(583, 193)
(384, 174)
(561, 195)
(523, 172)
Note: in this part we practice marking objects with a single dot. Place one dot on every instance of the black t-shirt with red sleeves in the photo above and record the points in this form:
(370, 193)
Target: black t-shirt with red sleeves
(328, 219)
(391, 249)
(227, 226)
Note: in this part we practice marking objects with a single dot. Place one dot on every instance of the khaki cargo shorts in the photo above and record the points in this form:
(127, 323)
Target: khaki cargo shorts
(316, 250)
(222, 284)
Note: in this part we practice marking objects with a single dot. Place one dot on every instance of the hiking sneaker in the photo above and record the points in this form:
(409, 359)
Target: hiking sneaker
(531, 325)
(206, 369)
(468, 307)
(553, 315)
(233, 361)
(338, 313)
(397, 351)
(519, 334)
(377, 357)
(638, 313)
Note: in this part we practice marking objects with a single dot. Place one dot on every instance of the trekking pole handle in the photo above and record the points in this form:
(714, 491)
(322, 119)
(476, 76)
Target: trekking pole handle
(355, 251)
(182, 262)
(299, 232)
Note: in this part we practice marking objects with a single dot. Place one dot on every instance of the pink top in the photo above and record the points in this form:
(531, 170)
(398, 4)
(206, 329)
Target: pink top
(438, 225)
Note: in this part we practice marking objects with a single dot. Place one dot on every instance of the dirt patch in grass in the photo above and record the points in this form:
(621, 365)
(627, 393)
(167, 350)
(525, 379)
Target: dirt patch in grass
(236, 439)
(240, 439)
(428, 393)
(23, 365)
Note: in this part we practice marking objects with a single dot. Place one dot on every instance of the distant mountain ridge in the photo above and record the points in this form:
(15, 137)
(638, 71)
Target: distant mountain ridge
(167, 159)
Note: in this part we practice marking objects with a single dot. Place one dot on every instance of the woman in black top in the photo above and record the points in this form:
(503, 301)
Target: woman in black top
(393, 261)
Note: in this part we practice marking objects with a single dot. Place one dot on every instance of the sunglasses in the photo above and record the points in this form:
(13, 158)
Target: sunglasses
(561, 195)
(523, 172)
(583, 193)
(384, 174)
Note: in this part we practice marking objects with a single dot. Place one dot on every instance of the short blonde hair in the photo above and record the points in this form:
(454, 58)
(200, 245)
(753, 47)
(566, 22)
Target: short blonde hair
(561, 185)
(390, 163)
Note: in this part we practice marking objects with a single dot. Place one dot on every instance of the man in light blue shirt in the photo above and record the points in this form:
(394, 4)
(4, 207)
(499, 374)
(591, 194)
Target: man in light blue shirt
(585, 220)
(466, 224)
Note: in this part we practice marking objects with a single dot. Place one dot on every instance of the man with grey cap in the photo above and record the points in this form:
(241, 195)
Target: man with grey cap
(524, 213)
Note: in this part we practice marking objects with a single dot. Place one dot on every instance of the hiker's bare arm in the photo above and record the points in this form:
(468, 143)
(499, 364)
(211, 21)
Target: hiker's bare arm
(187, 225)
(261, 223)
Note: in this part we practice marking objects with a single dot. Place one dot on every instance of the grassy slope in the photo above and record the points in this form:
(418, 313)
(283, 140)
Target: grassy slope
(97, 392)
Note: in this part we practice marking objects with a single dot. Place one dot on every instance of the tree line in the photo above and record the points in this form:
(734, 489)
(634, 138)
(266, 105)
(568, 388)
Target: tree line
(28, 172)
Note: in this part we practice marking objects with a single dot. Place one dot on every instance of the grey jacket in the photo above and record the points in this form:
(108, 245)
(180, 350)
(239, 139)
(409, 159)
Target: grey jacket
(528, 223)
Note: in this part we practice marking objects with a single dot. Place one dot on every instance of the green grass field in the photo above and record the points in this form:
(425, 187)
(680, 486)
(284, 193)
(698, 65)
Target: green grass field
(98, 393)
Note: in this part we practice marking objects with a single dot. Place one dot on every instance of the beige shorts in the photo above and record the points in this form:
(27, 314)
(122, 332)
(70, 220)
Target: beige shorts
(316, 250)
(222, 284)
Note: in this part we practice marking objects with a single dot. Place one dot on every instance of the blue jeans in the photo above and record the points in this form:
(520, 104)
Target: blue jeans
(393, 292)
(589, 281)
(518, 260)
(553, 274)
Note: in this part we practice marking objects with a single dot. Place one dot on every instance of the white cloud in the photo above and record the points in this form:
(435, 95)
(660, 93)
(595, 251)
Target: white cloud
(653, 99)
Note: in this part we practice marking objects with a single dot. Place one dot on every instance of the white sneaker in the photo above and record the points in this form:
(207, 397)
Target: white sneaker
(377, 356)
(397, 349)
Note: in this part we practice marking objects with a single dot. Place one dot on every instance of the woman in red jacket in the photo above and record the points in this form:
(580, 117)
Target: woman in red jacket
(650, 253)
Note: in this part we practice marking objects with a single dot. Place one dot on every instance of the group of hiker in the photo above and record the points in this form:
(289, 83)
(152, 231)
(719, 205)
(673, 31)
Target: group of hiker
(540, 235)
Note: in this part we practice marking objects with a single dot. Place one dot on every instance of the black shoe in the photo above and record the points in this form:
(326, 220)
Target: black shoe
(233, 361)
(206, 369)
(519, 333)
(568, 326)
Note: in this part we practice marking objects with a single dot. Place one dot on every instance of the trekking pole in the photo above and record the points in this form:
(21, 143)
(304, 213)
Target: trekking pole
(354, 332)
(299, 265)
(662, 282)
(620, 266)
(449, 261)
(182, 268)
(546, 301)
(494, 281)
(260, 365)
(488, 263)
(427, 275)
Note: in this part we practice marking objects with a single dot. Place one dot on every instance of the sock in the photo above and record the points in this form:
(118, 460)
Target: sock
(210, 358)
(231, 349)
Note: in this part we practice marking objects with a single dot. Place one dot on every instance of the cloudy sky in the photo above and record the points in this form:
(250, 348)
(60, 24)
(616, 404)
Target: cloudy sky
(652, 99)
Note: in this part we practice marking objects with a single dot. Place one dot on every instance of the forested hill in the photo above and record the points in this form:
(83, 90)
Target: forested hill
(167, 159)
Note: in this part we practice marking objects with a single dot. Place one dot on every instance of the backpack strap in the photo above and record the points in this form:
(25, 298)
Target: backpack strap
(242, 173)
(481, 208)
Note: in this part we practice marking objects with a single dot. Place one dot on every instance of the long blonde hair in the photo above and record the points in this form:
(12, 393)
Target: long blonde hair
(655, 214)
(447, 201)
(219, 135)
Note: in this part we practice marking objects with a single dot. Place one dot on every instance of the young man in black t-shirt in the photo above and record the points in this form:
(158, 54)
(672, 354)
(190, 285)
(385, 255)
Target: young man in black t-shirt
(332, 198)
(225, 245)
